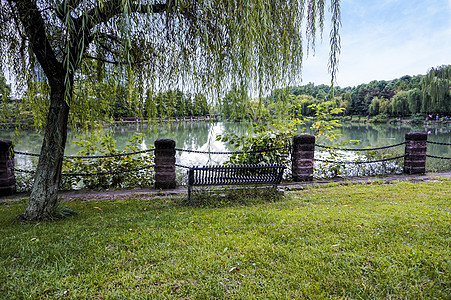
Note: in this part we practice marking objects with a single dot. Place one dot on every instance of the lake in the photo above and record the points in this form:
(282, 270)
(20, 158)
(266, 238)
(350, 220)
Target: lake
(202, 136)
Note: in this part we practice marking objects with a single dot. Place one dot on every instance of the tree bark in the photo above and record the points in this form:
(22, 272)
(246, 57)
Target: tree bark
(43, 198)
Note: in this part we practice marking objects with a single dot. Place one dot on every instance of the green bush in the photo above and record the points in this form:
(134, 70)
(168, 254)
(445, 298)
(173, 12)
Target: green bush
(112, 162)
(346, 118)
(264, 137)
(278, 135)
(380, 118)
(417, 119)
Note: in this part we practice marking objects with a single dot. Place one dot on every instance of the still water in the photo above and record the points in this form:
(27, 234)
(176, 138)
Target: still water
(202, 136)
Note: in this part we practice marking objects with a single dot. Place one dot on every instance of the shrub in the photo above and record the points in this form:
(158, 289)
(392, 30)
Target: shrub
(112, 161)
(380, 118)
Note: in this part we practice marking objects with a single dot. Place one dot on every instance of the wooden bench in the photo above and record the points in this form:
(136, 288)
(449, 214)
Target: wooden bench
(234, 175)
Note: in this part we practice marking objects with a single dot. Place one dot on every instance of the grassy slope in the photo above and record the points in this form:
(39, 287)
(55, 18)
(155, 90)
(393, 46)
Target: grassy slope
(354, 241)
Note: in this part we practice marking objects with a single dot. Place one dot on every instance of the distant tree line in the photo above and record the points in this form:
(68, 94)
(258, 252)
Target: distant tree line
(174, 103)
(421, 94)
(112, 100)
(408, 95)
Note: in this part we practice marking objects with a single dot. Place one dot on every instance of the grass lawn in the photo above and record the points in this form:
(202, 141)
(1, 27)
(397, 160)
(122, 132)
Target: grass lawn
(338, 241)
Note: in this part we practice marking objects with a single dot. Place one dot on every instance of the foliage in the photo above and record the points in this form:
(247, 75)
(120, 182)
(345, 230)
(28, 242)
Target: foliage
(373, 241)
(380, 118)
(138, 46)
(236, 105)
(374, 107)
(24, 181)
(175, 103)
(104, 145)
(270, 143)
(345, 166)
(323, 122)
(5, 89)
(436, 86)
(415, 100)
(147, 45)
(332, 170)
(417, 119)
(278, 134)
(407, 95)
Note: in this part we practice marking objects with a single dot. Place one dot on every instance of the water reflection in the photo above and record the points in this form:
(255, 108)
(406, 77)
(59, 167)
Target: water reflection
(202, 136)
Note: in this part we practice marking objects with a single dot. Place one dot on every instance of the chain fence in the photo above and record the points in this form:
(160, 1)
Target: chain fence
(91, 174)
(360, 150)
(231, 152)
(135, 153)
(288, 148)
(437, 157)
(439, 143)
(91, 157)
(359, 162)
(26, 153)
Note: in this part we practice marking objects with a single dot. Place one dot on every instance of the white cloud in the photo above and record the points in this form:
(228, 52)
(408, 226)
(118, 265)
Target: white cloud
(386, 41)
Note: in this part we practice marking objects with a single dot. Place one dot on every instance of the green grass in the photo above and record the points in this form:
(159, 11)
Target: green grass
(341, 241)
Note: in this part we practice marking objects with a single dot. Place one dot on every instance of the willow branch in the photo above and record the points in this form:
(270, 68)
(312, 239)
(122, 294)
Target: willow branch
(34, 27)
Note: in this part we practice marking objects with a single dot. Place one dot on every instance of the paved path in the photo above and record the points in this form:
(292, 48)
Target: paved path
(181, 190)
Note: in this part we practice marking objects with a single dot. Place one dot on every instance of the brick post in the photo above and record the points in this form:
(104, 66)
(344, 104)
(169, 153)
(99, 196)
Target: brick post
(7, 177)
(164, 164)
(302, 157)
(415, 153)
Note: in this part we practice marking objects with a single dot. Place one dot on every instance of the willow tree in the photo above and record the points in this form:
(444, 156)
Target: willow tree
(157, 44)
(436, 87)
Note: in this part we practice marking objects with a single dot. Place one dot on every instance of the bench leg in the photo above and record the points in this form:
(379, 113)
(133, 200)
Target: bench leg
(189, 193)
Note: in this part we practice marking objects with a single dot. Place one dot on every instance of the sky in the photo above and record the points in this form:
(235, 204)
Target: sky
(384, 40)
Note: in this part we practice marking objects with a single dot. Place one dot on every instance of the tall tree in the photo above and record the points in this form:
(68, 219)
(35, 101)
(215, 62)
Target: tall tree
(437, 90)
(5, 89)
(156, 43)
(414, 99)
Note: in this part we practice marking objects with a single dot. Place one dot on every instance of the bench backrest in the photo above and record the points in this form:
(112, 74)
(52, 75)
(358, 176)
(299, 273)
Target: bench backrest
(235, 174)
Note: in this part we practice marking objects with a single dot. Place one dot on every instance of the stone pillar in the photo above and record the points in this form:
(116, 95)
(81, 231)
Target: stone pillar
(7, 177)
(164, 164)
(415, 153)
(302, 157)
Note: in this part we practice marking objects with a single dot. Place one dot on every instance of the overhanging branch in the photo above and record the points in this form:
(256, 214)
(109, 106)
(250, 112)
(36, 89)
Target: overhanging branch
(113, 8)
(34, 26)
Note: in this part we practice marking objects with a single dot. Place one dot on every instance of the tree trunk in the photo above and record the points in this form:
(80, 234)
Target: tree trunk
(43, 198)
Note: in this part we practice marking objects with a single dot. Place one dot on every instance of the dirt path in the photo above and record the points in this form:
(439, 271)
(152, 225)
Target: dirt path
(87, 194)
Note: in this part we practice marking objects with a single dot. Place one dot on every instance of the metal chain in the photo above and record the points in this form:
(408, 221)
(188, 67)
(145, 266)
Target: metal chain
(153, 149)
(182, 166)
(438, 143)
(26, 153)
(88, 157)
(359, 162)
(439, 157)
(92, 174)
(112, 155)
(366, 149)
(231, 152)
(23, 171)
(108, 173)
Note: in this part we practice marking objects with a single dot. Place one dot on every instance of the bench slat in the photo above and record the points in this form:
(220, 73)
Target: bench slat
(234, 175)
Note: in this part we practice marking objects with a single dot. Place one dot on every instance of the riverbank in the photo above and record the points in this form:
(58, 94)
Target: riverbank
(398, 121)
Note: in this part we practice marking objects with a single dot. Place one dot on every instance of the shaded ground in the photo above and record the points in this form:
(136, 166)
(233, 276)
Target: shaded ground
(88, 194)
